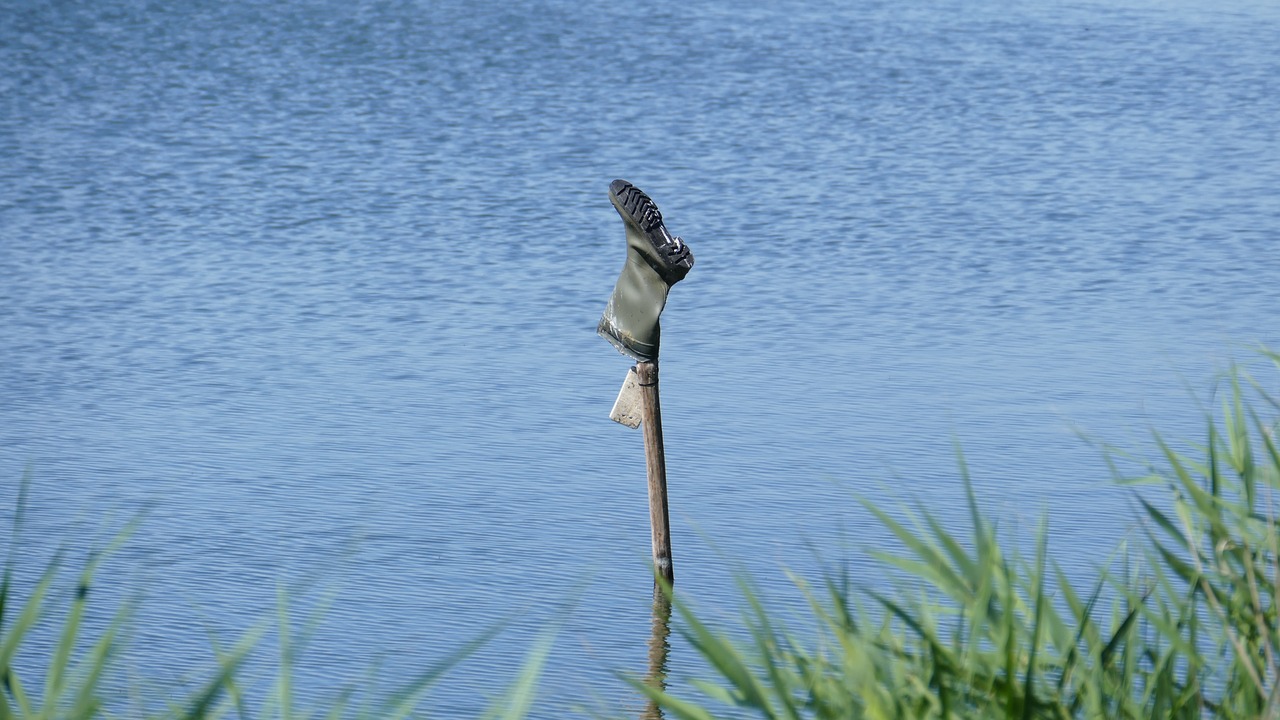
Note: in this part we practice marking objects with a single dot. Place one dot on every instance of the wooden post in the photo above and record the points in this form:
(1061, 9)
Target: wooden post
(656, 465)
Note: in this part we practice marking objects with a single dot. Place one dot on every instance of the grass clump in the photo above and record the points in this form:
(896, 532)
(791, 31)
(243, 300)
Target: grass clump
(1186, 628)
(72, 686)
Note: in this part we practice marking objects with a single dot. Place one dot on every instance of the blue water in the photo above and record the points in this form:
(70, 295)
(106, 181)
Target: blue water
(315, 285)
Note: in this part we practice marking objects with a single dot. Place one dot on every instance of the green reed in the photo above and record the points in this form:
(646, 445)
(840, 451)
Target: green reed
(1186, 628)
(72, 684)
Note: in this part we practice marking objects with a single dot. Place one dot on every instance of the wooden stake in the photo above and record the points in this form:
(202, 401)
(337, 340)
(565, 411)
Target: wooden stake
(656, 465)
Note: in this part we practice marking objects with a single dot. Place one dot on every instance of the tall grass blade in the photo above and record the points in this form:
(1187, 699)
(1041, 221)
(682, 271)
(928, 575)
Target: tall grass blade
(403, 704)
(518, 700)
(1165, 523)
(932, 563)
(1028, 681)
(24, 488)
(203, 704)
(56, 676)
(27, 617)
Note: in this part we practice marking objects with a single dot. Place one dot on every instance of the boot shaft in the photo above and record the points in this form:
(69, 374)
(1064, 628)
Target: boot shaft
(630, 320)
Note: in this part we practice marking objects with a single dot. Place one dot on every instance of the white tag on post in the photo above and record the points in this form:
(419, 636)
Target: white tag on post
(626, 409)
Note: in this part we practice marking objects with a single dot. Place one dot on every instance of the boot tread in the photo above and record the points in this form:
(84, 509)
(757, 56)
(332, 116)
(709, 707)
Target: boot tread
(644, 212)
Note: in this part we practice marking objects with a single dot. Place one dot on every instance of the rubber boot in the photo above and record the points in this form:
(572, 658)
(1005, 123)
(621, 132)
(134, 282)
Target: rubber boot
(656, 260)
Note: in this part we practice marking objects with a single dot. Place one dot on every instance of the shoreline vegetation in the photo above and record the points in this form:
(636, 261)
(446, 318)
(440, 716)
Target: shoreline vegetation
(1186, 627)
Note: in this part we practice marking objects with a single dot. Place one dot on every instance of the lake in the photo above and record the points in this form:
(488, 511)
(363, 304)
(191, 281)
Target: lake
(313, 286)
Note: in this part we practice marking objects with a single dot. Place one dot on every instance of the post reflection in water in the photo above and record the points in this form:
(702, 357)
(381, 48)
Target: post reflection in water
(659, 646)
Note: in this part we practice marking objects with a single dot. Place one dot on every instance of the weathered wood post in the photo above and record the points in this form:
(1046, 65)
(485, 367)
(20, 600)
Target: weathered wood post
(656, 466)
(656, 260)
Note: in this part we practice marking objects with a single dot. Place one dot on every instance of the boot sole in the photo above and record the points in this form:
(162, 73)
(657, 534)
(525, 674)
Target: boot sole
(635, 206)
(638, 209)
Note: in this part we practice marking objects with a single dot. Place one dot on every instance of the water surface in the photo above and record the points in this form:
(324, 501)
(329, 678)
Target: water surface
(315, 286)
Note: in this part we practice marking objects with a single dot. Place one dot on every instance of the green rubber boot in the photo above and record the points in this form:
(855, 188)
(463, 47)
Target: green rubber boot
(656, 260)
